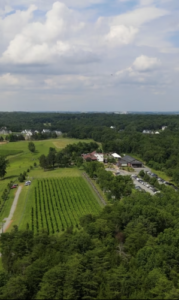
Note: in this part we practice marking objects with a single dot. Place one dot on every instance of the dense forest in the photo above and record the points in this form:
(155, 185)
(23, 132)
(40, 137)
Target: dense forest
(160, 151)
(130, 251)
(84, 122)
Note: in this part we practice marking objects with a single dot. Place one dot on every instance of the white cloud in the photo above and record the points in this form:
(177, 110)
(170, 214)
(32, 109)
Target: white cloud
(144, 63)
(8, 79)
(14, 23)
(59, 49)
(121, 35)
(138, 72)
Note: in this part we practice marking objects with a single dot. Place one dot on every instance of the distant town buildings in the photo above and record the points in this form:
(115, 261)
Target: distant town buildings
(4, 131)
(150, 132)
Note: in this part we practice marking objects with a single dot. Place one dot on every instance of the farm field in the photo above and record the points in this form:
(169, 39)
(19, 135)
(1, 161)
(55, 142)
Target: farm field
(20, 158)
(55, 204)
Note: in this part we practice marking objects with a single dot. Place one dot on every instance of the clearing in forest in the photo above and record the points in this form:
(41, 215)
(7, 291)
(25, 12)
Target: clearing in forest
(59, 203)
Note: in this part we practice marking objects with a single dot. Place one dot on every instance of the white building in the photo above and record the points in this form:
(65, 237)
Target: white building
(115, 155)
(45, 131)
(27, 132)
(58, 132)
(112, 127)
(164, 127)
(99, 156)
(156, 132)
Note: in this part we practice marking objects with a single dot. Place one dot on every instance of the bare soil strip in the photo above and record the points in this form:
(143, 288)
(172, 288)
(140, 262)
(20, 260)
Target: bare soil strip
(94, 188)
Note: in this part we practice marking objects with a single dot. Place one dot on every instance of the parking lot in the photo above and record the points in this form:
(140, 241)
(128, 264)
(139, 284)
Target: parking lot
(140, 185)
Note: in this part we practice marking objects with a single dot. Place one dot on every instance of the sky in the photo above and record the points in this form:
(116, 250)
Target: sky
(89, 55)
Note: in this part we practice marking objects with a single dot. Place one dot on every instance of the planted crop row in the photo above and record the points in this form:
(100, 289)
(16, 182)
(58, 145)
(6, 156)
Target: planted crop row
(60, 203)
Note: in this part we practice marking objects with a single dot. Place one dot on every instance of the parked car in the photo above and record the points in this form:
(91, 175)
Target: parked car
(14, 186)
(27, 183)
(137, 187)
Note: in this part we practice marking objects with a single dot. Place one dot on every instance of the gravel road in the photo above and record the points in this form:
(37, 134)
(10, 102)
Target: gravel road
(13, 208)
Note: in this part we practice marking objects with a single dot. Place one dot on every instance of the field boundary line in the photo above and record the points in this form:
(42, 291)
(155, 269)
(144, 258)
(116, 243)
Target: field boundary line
(102, 201)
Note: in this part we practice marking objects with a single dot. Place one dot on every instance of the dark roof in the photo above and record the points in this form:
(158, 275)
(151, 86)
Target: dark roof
(136, 162)
(122, 161)
(128, 159)
(131, 160)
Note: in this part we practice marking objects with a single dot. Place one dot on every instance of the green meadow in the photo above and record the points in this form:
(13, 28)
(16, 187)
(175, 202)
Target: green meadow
(20, 159)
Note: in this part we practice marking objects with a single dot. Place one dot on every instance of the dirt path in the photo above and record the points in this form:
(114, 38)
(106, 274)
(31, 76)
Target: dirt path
(13, 208)
(94, 188)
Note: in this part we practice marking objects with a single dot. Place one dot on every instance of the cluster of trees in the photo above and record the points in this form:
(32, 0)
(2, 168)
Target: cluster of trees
(44, 136)
(1, 139)
(3, 165)
(31, 147)
(68, 156)
(130, 251)
(114, 186)
(5, 195)
(14, 137)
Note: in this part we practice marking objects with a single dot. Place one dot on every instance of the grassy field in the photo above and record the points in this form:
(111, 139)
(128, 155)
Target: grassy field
(55, 204)
(22, 159)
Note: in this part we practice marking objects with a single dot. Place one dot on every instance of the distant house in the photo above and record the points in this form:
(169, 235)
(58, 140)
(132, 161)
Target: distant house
(46, 131)
(94, 156)
(4, 130)
(148, 131)
(128, 161)
(58, 133)
(99, 156)
(89, 157)
(115, 155)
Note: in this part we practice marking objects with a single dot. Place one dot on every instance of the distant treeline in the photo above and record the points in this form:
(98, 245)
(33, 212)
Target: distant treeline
(71, 123)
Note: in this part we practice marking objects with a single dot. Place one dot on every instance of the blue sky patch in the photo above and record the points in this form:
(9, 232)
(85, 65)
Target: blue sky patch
(174, 39)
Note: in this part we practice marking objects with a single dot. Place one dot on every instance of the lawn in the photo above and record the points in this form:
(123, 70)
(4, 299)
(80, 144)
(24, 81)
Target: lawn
(23, 159)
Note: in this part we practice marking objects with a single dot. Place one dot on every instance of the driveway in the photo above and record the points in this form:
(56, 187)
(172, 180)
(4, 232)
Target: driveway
(13, 208)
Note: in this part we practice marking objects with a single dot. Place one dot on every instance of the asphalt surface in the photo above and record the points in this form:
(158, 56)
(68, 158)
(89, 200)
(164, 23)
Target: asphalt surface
(135, 172)
(13, 208)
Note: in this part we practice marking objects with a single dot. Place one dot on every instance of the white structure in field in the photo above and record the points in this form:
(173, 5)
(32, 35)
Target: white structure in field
(99, 156)
(115, 155)
(27, 132)
(164, 127)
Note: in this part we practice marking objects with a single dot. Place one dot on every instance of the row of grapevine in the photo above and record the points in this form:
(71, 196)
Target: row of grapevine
(60, 203)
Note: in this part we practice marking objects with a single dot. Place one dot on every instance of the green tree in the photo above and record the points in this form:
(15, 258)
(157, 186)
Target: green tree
(3, 166)
(31, 147)
(43, 162)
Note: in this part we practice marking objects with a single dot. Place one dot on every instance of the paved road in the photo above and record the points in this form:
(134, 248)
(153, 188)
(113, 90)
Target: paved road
(13, 208)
